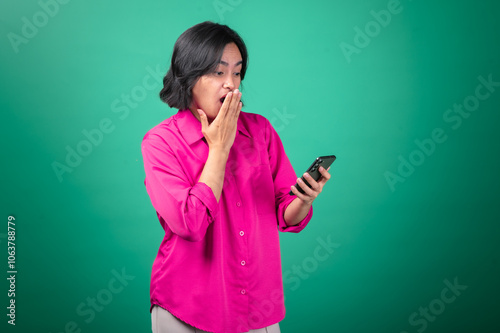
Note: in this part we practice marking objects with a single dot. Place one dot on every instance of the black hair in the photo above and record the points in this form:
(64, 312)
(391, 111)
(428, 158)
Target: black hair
(197, 52)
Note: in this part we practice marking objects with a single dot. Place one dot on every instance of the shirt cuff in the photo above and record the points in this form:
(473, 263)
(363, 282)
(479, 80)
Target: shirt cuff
(205, 194)
(283, 227)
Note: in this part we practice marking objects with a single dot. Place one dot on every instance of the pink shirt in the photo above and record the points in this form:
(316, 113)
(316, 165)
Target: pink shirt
(218, 267)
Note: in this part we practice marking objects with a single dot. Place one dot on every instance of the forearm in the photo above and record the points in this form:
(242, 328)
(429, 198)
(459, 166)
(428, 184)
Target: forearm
(296, 211)
(213, 172)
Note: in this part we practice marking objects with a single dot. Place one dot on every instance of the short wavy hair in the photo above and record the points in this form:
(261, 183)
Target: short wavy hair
(197, 52)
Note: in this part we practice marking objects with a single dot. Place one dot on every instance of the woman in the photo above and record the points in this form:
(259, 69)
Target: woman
(219, 180)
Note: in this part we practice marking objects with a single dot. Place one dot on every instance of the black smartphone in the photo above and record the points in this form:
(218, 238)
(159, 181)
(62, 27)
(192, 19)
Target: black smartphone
(324, 161)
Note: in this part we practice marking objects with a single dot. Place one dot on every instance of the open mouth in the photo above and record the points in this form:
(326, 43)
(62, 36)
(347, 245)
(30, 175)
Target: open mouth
(223, 98)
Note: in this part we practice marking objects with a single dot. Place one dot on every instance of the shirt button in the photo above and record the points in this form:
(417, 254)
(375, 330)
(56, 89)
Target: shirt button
(243, 263)
(238, 204)
(242, 233)
(243, 291)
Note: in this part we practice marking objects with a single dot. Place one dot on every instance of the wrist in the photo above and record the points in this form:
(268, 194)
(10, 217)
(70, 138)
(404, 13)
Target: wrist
(219, 150)
(306, 204)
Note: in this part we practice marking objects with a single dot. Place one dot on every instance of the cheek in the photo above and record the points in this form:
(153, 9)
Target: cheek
(195, 98)
(208, 90)
(199, 91)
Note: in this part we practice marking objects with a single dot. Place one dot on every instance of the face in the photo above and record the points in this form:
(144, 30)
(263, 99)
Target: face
(212, 87)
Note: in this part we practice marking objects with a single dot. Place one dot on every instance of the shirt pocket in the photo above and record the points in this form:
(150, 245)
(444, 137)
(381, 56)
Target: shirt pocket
(263, 190)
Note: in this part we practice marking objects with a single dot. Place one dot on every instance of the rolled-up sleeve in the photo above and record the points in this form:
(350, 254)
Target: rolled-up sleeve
(284, 176)
(187, 209)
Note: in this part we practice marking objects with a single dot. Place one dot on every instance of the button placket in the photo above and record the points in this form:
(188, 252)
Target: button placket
(240, 224)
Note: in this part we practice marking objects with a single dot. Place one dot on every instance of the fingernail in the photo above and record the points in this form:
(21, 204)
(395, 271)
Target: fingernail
(236, 91)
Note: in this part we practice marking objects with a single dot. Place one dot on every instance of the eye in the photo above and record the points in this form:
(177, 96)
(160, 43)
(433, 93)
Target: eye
(237, 74)
(218, 73)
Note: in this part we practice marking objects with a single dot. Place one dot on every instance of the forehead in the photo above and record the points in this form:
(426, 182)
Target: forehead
(231, 55)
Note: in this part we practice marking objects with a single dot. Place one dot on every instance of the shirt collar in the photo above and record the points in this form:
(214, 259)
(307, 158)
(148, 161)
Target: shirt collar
(190, 127)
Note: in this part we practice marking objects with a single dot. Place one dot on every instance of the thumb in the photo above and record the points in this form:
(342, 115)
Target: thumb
(203, 119)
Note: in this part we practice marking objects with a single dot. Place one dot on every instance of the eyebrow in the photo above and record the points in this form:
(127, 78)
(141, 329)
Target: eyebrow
(226, 64)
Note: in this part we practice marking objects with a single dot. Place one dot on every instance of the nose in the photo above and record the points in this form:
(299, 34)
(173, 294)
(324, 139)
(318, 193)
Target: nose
(229, 83)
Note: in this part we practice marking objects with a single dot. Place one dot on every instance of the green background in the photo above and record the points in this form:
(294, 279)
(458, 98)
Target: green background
(395, 246)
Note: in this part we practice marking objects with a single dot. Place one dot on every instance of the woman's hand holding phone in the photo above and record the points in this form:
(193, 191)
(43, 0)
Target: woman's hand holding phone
(311, 183)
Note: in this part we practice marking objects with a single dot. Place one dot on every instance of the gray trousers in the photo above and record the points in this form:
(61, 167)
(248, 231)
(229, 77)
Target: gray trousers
(163, 321)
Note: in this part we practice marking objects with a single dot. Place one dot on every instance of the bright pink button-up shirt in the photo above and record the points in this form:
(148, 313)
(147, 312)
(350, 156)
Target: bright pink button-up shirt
(218, 267)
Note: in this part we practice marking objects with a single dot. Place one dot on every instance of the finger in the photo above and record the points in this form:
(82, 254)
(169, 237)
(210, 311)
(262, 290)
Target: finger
(238, 107)
(324, 172)
(301, 196)
(307, 190)
(298, 193)
(322, 182)
(225, 106)
(312, 182)
(203, 119)
(238, 110)
(235, 101)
